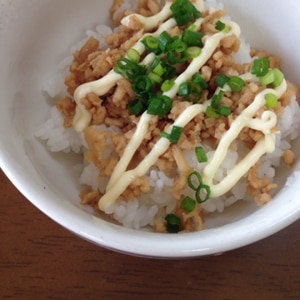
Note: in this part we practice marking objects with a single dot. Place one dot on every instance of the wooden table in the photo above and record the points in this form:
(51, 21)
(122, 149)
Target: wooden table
(41, 260)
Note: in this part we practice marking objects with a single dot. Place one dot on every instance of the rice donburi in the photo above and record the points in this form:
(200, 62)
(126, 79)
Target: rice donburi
(175, 118)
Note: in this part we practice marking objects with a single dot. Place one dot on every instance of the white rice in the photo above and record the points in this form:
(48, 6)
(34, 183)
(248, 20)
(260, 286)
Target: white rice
(143, 211)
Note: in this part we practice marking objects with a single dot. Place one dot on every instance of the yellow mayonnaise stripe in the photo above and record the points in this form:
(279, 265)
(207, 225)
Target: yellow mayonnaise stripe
(263, 146)
(119, 186)
(134, 143)
(246, 119)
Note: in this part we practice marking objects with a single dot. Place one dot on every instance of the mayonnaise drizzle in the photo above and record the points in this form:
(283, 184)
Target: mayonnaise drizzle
(125, 178)
(266, 145)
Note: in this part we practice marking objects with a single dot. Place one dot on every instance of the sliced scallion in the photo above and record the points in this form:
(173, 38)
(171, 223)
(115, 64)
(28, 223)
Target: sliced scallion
(159, 105)
(221, 80)
(260, 66)
(203, 193)
(216, 99)
(273, 77)
(200, 154)
(173, 223)
(220, 25)
(267, 78)
(142, 85)
(194, 180)
(184, 89)
(211, 113)
(271, 100)
(195, 92)
(193, 51)
(184, 12)
(164, 40)
(177, 55)
(278, 78)
(193, 38)
(188, 204)
(167, 85)
(133, 55)
(197, 78)
(136, 107)
(236, 83)
(129, 69)
(155, 78)
(175, 134)
(224, 111)
(159, 69)
(151, 43)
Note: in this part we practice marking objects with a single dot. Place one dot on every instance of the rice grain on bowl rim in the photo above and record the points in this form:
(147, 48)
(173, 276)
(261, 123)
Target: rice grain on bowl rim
(150, 199)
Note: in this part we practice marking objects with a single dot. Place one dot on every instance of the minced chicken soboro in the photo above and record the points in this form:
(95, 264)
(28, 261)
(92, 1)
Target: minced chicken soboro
(206, 129)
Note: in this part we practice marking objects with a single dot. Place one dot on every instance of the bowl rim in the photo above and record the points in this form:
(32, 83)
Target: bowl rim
(156, 245)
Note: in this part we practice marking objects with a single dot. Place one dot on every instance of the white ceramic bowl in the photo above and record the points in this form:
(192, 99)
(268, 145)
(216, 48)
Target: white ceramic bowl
(34, 36)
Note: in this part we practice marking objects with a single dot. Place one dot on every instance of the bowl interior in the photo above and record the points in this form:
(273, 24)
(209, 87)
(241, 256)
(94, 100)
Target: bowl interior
(34, 37)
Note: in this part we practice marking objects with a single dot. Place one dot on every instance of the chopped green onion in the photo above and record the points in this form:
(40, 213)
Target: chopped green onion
(271, 100)
(192, 91)
(224, 111)
(173, 223)
(159, 69)
(133, 55)
(136, 107)
(188, 204)
(211, 113)
(192, 27)
(177, 55)
(194, 51)
(273, 77)
(129, 69)
(151, 43)
(267, 78)
(193, 38)
(279, 77)
(195, 92)
(155, 78)
(167, 85)
(175, 134)
(200, 154)
(221, 80)
(236, 83)
(184, 89)
(194, 177)
(202, 190)
(142, 85)
(159, 105)
(159, 66)
(184, 12)
(260, 66)
(202, 193)
(197, 78)
(220, 25)
(216, 99)
(164, 40)
(170, 71)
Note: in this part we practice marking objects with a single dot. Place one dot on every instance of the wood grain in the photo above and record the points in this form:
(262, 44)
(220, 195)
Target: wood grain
(41, 260)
